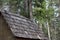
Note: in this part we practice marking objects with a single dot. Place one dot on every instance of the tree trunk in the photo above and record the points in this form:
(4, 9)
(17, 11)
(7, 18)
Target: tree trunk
(30, 9)
(48, 31)
(26, 8)
(25, 5)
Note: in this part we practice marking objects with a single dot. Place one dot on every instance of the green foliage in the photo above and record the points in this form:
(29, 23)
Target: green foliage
(16, 4)
(41, 13)
(0, 2)
(45, 30)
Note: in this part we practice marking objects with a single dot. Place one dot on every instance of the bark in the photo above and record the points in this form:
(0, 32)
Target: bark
(25, 5)
(26, 9)
(30, 9)
(48, 30)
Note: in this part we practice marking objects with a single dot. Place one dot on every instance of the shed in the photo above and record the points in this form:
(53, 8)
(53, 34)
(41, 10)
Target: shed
(17, 27)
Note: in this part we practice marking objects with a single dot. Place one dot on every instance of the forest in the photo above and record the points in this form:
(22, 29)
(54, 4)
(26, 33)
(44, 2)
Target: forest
(45, 13)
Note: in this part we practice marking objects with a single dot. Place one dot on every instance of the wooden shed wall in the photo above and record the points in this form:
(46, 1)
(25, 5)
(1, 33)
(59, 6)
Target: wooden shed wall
(5, 33)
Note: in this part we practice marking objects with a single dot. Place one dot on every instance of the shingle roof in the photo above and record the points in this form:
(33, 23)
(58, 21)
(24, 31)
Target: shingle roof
(22, 27)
